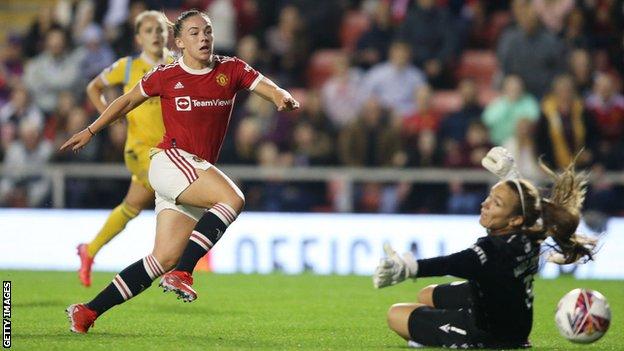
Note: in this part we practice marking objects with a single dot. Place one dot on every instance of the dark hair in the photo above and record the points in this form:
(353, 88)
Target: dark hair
(177, 26)
(557, 216)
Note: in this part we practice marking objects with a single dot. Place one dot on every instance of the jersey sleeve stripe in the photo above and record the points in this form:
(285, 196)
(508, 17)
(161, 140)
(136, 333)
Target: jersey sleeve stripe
(142, 90)
(104, 80)
(255, 82)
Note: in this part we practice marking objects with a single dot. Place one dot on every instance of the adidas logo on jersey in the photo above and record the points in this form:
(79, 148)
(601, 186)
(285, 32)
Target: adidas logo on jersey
(178, 86)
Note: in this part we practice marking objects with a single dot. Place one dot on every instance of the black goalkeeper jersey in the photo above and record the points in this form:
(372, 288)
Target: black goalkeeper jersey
(500, 271)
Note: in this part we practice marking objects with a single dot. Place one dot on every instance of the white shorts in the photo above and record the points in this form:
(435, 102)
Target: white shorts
(171, 171)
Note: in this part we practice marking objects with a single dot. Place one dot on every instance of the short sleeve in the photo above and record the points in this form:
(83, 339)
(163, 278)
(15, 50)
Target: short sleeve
(114, 74)
(150, 83)
(248, 78)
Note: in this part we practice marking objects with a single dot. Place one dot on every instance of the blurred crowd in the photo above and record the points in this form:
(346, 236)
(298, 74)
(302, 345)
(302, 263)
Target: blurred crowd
(383, 83)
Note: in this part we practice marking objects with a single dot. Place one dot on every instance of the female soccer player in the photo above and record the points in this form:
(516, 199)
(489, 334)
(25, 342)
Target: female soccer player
(145, 130)
(196, 93)
(494, 308)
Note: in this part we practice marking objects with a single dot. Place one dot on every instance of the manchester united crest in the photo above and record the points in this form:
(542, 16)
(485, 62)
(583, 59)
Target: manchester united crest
(222, 79)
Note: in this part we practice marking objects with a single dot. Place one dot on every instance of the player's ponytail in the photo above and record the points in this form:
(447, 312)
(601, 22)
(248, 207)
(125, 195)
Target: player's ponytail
(176, 27)
(561, 214)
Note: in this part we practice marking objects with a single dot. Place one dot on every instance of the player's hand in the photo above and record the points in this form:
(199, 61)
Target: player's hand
(287, 103)
(500, 162)
(394, 269)
(77, 141)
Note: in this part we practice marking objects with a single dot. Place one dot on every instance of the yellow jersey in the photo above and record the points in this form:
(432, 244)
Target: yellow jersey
(145, 123)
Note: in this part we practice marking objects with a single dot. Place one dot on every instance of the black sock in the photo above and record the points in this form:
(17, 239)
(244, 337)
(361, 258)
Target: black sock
(207, 232)
(127, 284)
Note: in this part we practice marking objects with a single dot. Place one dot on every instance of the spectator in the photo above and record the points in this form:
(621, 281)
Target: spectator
(246, 141)
(433, 39)
(394, 82)
(524, 150)
(371, 140)
(372, 47)
(223, 16)
(274, 126)
(119, 35)
(287, 44)
(57, 121)
(54, 70)
(11, 67)
(454, 126)
(424, 117)
(115, 143)
(341, 94)
(418, 131)
(564, 128)
(97, 55)
(476, 145)
(77, 120)
(606, 108)
(530, 51)
(247, 18)
(502, 114)
(18, 109)
(249, 50)
(34, 41)
(425, 152)
(574, 31)
(312, 112)
(77, 193)
(20, 189)
(581, 70)
(311, 147)
(553, 13)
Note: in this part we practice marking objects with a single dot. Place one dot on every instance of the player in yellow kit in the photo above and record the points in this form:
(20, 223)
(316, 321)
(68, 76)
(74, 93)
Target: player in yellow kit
(145, 129)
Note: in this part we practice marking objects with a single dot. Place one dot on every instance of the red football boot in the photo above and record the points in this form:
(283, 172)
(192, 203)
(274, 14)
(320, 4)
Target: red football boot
(86, 261)
(81, 318)
(179, 282)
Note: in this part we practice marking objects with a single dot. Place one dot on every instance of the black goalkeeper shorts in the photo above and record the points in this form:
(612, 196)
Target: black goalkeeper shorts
(451, 323)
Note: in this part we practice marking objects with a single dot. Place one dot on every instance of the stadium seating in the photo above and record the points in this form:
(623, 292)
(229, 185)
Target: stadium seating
(480, 65)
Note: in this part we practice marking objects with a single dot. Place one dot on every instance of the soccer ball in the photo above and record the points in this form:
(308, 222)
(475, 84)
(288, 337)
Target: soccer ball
(583, 316)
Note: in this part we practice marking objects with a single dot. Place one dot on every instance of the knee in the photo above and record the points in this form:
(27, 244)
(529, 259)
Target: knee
(238, 202)
(425, 296)
(393, 317)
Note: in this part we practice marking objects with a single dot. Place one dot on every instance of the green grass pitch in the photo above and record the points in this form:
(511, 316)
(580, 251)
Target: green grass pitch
(260, 312)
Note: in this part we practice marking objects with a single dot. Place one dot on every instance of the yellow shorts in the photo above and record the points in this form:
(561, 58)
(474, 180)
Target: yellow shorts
(137, 159)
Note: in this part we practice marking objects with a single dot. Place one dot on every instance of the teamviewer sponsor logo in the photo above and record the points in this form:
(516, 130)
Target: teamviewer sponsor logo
(6, 314)
(183, 103)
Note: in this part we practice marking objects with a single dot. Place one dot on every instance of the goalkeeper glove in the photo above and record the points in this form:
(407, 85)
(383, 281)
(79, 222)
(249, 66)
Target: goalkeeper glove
(500, 162)
(394, 268)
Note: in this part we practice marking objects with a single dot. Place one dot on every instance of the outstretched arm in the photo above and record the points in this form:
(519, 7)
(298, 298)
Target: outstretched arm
(280, 97)
(118, 108)
(394, 269)
(462, 264)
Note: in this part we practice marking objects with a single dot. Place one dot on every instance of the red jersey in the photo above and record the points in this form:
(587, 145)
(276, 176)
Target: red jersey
(196, 104)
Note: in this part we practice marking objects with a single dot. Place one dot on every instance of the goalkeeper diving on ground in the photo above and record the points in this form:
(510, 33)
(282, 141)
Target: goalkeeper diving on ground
(493, 308)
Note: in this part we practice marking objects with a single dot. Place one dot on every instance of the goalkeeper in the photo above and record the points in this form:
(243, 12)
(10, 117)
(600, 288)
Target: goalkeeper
(494, 307)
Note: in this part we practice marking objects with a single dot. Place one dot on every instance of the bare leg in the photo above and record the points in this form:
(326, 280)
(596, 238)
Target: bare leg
(398, 318)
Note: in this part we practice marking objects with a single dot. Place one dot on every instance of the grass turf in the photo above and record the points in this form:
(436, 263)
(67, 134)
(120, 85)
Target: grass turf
(270, 312)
